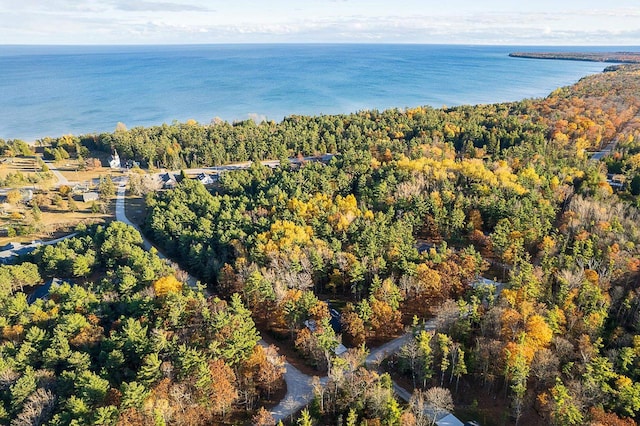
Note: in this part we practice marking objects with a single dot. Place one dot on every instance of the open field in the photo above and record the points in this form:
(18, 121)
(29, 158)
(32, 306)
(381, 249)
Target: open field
(16, 172)
(76, 172)
(58, 212)
(54, 223)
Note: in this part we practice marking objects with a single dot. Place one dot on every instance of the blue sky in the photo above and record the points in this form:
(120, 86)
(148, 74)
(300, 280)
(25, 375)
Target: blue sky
(538, 22)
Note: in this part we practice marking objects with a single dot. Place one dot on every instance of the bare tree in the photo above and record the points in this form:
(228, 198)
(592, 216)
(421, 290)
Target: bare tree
(438, 401)
(37, 409)
(419, 408)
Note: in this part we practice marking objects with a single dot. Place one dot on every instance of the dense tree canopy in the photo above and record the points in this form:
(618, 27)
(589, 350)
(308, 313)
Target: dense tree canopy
(416, 205)
(129, 348)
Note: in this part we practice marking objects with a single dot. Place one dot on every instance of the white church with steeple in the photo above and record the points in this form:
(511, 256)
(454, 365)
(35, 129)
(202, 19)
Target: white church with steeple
(114, 163)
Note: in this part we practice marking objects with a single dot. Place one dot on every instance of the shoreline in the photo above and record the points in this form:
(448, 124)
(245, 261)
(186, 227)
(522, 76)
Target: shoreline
(607, 57)
(163, 85)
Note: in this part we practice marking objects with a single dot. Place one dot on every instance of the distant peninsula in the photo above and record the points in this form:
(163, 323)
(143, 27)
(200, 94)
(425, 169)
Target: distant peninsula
(616, 57)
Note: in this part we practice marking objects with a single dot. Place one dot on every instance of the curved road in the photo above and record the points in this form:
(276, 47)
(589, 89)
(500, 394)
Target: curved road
(61, 179)
(299, 389)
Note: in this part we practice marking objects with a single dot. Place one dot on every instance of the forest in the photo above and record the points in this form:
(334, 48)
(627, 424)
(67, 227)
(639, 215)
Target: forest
(395, 230)
(120, 339)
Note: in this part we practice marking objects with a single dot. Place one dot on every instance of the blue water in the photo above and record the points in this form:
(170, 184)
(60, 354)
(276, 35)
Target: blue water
(56, 90)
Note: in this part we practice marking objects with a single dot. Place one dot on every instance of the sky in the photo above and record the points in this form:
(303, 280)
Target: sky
(512, 22)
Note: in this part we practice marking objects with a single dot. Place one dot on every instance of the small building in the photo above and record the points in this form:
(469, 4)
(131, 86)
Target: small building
(79, 188)
(311, 325)
(325, 158)
(168, 181)
(424, 246)
(335, 320)
(114, 162)
(130, 164)
(12, 251)
(88, 197)
(205, 179)
(27, 195)
(616, 181)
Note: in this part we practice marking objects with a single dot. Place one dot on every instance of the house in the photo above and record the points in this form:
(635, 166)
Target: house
(168, 181)
(79, 188)
(335, 320)
(130, 164)
(616, 181)
(205, 179)
(485, 283)
(424, 246)
(114, 162)
(42, 292)
(88, 197)
(326, 157)
(27, 195)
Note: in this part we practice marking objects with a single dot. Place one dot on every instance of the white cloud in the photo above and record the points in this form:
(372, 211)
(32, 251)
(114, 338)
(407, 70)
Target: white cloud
(156, 6)
(193, 21)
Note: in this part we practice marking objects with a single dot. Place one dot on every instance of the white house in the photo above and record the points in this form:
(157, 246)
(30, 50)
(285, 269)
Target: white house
(205, 179)
(168, 180)
(90, 196)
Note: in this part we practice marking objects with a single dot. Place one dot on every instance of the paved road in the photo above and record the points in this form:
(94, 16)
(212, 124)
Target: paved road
(61, 179)
(604, 152)
(299, 391)
(608, 149)
(7, 255)
(122, 216)
(379, 354)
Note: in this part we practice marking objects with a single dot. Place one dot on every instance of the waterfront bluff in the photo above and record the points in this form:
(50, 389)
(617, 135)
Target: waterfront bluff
(615, 57)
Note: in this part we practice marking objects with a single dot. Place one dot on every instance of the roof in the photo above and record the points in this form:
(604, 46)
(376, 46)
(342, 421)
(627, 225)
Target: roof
(90, 196)
(17, 249)
(485, 281)
(449, 420)
(167, 177)
(335, 320)
(42, 292)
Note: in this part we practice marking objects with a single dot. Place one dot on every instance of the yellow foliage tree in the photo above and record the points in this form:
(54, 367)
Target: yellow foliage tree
(14, 196)
(166, 285)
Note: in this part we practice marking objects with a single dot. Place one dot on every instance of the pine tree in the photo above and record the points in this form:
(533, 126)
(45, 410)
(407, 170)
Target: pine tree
(352, 417)
(426, 355)
(149, 371)
(305, 418)
(393, 413)
(133, 395)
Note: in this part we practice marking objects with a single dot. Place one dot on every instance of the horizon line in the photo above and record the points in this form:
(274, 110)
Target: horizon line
(329, 43)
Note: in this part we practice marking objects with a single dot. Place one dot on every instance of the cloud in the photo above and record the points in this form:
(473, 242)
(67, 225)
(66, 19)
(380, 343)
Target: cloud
(156, 6)
(190, 21)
